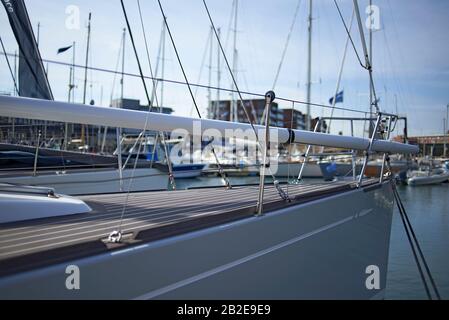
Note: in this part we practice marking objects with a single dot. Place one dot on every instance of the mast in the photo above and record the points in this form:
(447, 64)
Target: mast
(73, 72)
(368, 67)
(118, 131)
(217, 105)
(85, 72)
(70, 95)
(396, 109)
(233, 113)
(209, 90)
(162, 67)
(447, 129)
(38, 33)
(309, 68)
(371, 63)
(123, 68)
(17, 92)
(15, 70)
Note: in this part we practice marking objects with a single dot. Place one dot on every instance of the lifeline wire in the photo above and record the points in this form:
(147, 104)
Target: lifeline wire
(222, 173)
(128, 74)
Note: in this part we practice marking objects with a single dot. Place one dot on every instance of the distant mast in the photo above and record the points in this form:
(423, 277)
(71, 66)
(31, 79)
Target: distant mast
(85, 74)
(163, 36)
(371, 127)
(233, 111)
(217, 104)
(209, 89)
(309, 67)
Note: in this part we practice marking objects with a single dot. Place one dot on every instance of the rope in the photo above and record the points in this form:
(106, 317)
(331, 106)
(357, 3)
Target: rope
(222, 173)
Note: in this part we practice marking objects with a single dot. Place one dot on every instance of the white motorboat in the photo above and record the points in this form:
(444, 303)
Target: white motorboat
(427, 177)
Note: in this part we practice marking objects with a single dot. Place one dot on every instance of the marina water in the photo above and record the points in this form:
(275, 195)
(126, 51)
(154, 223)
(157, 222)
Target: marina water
(428, 210)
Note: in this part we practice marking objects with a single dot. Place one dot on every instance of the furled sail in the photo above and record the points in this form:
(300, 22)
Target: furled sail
(33, 82)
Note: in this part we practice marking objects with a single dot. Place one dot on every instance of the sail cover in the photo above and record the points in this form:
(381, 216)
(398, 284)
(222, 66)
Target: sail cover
(33, 82)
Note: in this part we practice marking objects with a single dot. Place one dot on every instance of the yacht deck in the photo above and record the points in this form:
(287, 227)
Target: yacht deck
(149, 216)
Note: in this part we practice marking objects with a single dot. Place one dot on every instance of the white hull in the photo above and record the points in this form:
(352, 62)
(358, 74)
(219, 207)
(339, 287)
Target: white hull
(317, 250)
(17, 206)
(94, 181)
(187, 174)
(311, 170)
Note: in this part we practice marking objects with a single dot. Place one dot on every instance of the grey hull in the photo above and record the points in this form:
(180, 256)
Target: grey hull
(317, 250)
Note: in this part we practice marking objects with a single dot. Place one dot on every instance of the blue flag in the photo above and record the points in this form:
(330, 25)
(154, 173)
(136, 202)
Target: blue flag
(338, 98)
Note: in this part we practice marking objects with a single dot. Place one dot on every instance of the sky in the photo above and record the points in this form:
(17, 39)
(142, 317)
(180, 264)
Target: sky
(410, 50)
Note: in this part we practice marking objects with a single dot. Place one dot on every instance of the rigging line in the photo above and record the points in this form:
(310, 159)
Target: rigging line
(412, 232)
(275, 182)
(125, 205)
(367, 57)
(154, 81)
(230, 71)
(154, 91)
(112, 92)
(286, 44)
(421, 273)
(349, 35)
(222, 173)
(231, 19)
(253, 109)
(159, 57)
(395, 77)
(167, 156)
(9, 66)
(128, 74)
(203, 62)
(334, 101)
(179, 61)
(114, 80)
(289, 153)
(401, 56)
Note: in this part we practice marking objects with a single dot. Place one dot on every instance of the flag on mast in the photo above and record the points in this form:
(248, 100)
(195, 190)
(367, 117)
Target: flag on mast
(338, 98)
(64, 49)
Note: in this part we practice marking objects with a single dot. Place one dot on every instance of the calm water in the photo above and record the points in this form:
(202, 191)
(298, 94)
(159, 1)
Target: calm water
(428, 210)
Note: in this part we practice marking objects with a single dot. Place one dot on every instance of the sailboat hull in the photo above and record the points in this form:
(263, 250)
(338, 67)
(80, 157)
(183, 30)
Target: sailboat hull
(311, 170)
(78, 182)
(323, 249)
